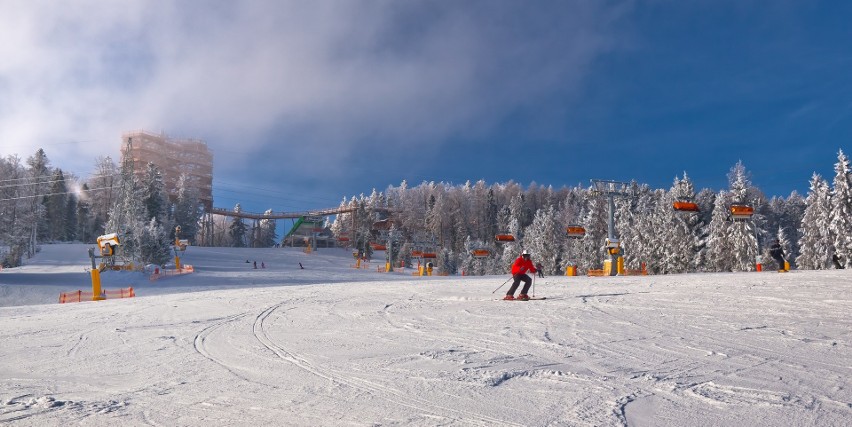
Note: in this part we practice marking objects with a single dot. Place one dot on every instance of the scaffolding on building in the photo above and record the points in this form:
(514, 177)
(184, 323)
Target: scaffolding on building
(174, 157)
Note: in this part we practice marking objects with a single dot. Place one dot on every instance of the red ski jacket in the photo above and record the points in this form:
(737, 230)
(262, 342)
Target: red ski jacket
(521, 266)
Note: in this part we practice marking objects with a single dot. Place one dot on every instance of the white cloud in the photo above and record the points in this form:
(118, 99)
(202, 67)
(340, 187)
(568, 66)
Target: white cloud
(238, 74)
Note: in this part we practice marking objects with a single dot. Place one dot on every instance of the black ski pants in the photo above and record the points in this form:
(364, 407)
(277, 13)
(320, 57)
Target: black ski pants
(780, 260)
(518, 279)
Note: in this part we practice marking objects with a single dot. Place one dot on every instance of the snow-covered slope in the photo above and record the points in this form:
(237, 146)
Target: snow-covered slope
(331, 345)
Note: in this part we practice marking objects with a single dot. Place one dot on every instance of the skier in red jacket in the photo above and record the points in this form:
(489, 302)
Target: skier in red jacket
(519, 270)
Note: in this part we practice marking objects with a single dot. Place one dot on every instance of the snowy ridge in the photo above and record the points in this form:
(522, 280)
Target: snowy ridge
(331, 345)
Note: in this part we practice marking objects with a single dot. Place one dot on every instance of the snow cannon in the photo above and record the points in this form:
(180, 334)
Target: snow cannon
(107, 244)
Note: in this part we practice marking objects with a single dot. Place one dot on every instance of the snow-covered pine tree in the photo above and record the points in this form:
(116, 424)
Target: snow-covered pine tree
(37, 187)
(543, 239)
(267, 234)
(342, 222)
(154, 244)
(470, 265)
(85, 220)
(103, 185)
(237, 229)
(187, 209)
(743, 234)
(718, 243)
(794, 211)
(127, 216)
(56, 204)
(154, 195)
(15, 221)
(816, 244)
(70, 233)
(841, 210)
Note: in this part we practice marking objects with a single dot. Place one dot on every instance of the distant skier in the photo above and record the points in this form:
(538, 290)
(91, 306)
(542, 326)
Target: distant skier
(300, 266)
(777, 254)
(255, 265)
(836, 260)
(540, 269)
(262, 264)
(519, 270)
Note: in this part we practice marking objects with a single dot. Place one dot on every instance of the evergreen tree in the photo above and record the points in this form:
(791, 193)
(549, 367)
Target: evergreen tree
(127, 216)
(267, 236)
(816, 243)
(841, 210)
(743, 234)
(718, 241)
(85, 222)
(155, 243)
(104, 186)
(238, 230)
(187, 209)
(56, 204)
(154, 195)
(38, 186)
(543, 239)
(70, 233)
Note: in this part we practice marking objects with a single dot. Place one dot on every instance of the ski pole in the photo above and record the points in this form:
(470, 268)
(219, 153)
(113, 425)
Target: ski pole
(533, 290)
(504, 284)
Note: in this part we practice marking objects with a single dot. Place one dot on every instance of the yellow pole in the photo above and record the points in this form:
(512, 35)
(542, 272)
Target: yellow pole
(96, 285)
(177, 262)
(620, 265)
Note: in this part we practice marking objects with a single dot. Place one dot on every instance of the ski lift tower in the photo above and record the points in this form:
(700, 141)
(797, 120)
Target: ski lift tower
(612, 189)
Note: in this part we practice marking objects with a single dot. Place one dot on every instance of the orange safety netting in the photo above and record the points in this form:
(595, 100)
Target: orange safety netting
(80, 296)
(158, 274)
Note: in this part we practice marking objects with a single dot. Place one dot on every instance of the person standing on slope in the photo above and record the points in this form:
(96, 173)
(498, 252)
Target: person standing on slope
(519, 273)
(777, 253)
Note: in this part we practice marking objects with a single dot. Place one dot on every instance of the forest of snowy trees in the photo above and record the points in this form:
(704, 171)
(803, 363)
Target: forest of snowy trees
(40, 203)
(453, 221)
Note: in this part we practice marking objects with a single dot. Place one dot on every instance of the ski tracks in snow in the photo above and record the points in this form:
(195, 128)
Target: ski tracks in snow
(434, 410)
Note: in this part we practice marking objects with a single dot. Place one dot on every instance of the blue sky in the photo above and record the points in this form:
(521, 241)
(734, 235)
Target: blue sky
(304, 103)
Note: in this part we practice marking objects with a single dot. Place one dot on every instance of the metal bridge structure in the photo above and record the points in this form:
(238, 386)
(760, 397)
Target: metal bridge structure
(305, 224)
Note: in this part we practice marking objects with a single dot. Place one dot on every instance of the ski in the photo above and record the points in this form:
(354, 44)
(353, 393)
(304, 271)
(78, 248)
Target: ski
(531, 299)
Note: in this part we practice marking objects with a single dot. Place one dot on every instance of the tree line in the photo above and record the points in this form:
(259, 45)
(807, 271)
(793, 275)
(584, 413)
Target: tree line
(453, 221)
(40, 203)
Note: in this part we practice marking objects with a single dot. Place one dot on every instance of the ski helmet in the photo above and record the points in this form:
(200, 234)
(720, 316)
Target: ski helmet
(525, 253)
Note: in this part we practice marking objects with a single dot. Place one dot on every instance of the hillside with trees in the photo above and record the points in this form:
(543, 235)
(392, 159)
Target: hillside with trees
(40, 203)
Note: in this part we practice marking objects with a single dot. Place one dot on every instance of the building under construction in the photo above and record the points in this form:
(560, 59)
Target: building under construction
(173, 156)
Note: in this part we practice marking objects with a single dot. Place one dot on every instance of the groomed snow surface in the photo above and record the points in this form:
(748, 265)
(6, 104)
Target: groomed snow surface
(332, 345)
